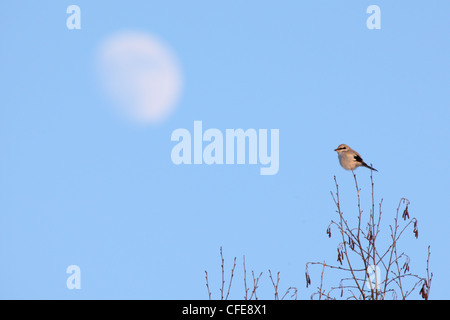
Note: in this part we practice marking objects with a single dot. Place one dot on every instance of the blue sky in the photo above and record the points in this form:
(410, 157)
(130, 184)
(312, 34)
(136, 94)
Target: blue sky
(83, 185)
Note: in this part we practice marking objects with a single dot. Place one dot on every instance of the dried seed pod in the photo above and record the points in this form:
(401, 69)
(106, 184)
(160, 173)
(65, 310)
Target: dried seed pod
(351, 243)
(425, 290)
(416, 230)
(369, 236)
(405, 266)
(340, 255)
(405, 214)
(308, 279)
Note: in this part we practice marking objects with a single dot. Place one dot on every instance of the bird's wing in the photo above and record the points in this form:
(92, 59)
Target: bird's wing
(358, 158)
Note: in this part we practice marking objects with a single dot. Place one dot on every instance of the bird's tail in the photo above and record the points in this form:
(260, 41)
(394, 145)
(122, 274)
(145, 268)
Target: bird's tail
(371, 168)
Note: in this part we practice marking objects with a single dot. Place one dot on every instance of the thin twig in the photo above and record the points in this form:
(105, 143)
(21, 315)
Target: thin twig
(255, 285)
(231, 278)
(223, 274)
(321, 280)
(245, 279)
(207, 285)
(275, 286)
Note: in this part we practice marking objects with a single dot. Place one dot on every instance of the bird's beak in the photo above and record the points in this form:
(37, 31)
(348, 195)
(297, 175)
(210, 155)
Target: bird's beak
(336, 149)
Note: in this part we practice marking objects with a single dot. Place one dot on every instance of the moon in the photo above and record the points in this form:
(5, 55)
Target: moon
(140, 75)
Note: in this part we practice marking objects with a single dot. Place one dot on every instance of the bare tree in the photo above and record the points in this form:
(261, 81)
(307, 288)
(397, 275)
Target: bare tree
(256, 279)
(370, 272)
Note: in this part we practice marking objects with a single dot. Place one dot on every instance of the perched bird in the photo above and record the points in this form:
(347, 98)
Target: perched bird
(350, 159)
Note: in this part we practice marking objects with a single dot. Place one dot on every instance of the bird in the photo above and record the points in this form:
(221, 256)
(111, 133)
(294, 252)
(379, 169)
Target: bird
(350, 159)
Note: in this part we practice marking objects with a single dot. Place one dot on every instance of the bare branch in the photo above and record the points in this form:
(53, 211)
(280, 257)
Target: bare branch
(358, 246)
(207, 285)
